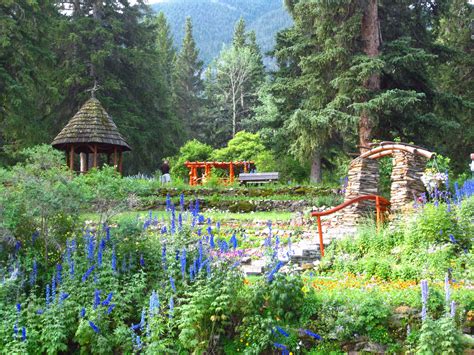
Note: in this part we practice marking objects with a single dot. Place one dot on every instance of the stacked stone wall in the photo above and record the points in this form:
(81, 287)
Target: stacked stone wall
(363, 179)
(406, 179)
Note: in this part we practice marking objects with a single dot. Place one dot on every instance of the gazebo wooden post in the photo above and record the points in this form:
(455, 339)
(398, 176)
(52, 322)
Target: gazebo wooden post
(120, 163)
(95, 156)
(71, 158)
(115, 159)
(231, 172)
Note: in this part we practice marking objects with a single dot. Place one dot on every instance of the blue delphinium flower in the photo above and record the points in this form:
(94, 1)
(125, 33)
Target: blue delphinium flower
(87, 273)
(163, 256)
(96, 298)
(311, 334)
(223, 246)
(114, 260)
(218, 226)
(282, 331)
(18, 308)
(23, 334)
(34, 273)
(142, 320)
(53, 289)
(99, 254)
(201, 219)
(424, 298)
(94, 327)
(233, 241)
(180, 222)
(183, 263)
(62, 297)
(447, 289)
(15, 329)
(107, 233)
(452, 239)
(59, 269)
(110, 308)
(71, 269)
(142, 261)
(108, 299)
(181, 201)
(154, 304)
(173, 287)
(90, 248)
(168, 202)
(196, 207)
(452, 309)
(272, 273)
(171, 307)
(138, 342)
(83, 312)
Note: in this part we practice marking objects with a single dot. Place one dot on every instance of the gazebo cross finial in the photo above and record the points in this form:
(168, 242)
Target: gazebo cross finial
(93, 90)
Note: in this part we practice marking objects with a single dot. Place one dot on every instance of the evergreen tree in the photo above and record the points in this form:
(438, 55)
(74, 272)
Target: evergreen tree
(27, 61)
(188, 83)
(335, 75)
(166, 52)
(239, 37)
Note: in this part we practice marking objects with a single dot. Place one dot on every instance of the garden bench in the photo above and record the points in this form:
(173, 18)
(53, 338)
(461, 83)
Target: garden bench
(258, 178)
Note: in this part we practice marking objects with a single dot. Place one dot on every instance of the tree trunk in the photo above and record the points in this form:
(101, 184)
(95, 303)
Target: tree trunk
(371, 41)
(316, 176)
(234, 114)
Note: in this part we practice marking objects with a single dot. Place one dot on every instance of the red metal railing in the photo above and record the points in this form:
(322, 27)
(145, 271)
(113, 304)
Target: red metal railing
(381, 205)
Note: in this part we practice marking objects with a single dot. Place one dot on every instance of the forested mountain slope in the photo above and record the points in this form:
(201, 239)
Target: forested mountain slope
(214, 20)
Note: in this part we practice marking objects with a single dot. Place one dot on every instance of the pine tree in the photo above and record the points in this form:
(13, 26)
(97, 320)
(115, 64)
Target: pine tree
(188, 83)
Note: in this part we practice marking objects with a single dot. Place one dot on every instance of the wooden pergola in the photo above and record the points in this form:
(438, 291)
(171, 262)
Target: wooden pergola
(90, 133)
(194, 167)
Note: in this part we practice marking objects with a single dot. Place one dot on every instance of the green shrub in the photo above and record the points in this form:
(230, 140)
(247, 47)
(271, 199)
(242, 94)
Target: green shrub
(191, 151)
(244, 146)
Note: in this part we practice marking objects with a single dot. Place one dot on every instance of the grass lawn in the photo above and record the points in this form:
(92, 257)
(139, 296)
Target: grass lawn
(214, 215)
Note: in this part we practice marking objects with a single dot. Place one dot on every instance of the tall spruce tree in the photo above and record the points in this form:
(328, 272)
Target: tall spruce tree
(335, 75)
(188, 84)
(27, 61)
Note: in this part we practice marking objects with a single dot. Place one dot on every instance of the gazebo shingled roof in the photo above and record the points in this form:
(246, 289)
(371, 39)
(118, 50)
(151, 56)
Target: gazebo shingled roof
(91, 125)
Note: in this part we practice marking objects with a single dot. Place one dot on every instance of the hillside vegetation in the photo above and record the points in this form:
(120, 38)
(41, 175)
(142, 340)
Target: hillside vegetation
(214, 21)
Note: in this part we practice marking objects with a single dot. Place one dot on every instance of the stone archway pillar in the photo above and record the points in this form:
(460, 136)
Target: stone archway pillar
(406, 179)
(363, 179)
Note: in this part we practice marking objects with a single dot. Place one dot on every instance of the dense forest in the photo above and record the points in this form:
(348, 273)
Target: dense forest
(213, 21)
(347, 72)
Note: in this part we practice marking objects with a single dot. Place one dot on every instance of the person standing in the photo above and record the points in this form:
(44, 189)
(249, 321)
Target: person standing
(165, 172)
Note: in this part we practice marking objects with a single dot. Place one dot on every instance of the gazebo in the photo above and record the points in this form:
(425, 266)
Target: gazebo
(89, 133)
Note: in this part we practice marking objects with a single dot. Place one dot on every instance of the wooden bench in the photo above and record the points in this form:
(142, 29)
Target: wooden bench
(258, 178)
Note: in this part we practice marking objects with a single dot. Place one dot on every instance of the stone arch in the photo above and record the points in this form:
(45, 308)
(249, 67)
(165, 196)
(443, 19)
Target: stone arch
(409, 162)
